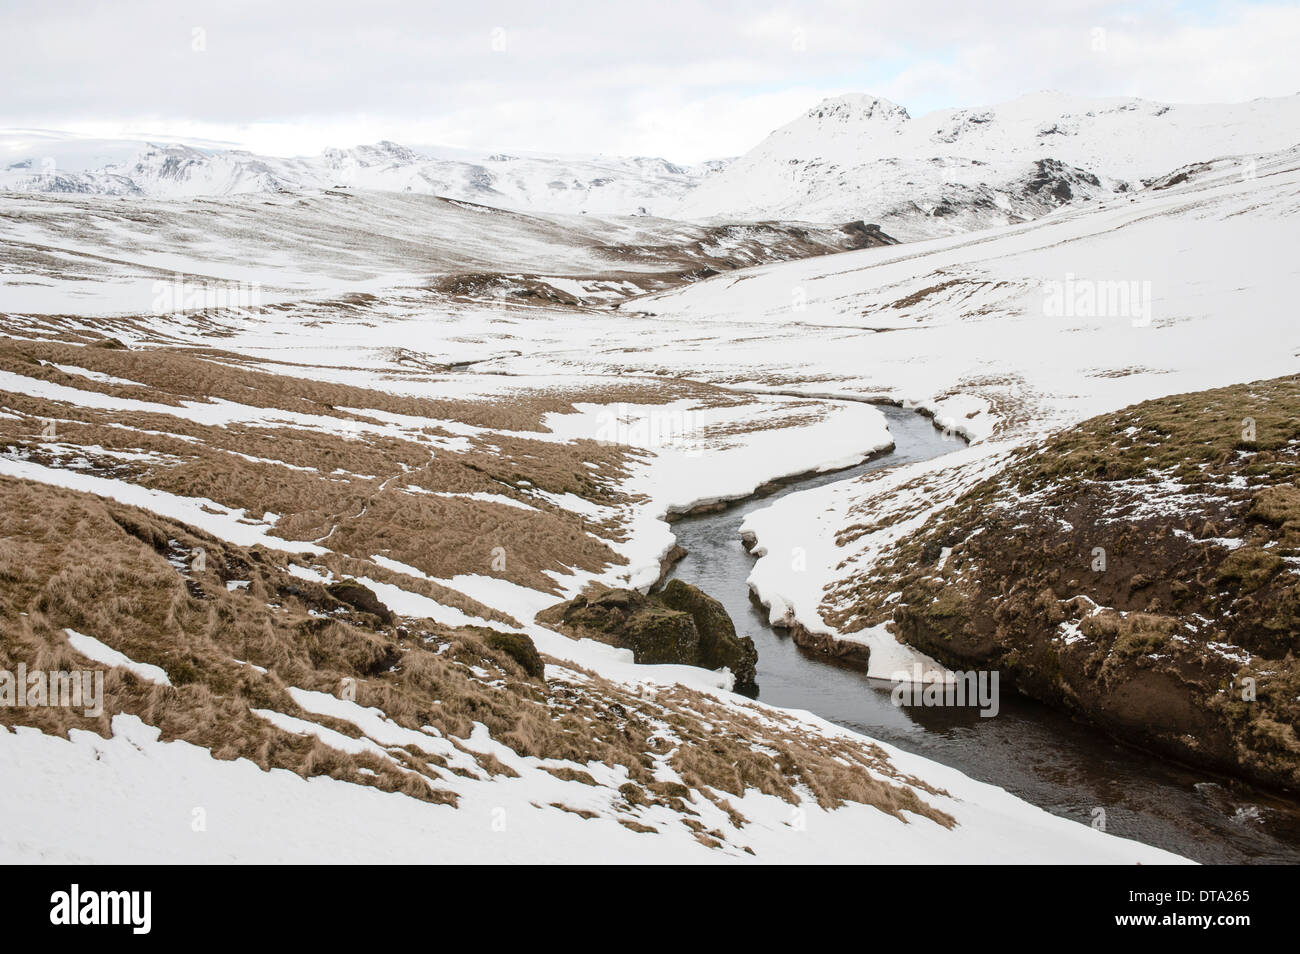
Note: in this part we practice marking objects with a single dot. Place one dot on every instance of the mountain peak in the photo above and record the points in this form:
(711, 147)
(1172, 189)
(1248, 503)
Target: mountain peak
(856, 106)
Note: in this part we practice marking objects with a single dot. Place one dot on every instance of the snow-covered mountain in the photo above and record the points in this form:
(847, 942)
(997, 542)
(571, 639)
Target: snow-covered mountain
(862, 157)
(852, 158)
(46, 162)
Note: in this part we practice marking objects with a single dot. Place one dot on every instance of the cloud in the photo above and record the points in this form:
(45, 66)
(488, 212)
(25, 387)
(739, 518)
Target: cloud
(685, 80)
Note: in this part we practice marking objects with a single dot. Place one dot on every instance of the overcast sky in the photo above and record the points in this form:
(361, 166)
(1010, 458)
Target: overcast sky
(683, 80)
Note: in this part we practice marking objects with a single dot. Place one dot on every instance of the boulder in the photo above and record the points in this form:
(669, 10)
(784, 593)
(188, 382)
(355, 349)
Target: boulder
(681, 625)
(518, 646)
(360, 597)
(719, 644)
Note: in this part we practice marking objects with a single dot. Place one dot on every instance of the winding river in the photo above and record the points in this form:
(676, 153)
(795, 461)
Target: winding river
(1035, 752)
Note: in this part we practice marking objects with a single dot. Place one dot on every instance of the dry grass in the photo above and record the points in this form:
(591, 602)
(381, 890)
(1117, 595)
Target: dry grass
(71, 560)
(359, 493)
(169, 376)
(1193, 499)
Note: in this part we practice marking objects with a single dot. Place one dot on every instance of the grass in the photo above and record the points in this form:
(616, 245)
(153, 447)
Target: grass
(359, 497)
(1194, 501)
(73, 560)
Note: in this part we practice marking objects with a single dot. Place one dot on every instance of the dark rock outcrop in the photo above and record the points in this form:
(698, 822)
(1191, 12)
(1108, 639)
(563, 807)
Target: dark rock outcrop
(682, 625)
(361, 598)
(719, 645)
(1137, 570)
(518, 646)
(843, 650)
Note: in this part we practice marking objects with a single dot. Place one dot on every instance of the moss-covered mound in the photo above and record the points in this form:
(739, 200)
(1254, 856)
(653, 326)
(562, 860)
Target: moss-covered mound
(362, 598)
(1141, 569)
(682, 625)
(518, 646)
(719, 644)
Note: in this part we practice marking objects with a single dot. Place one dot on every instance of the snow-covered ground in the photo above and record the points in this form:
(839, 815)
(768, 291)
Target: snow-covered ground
(854, 157)
(89, 800)
(133, 796)
(97, 255)
(967, 328)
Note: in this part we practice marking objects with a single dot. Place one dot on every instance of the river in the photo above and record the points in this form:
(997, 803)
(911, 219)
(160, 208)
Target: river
(1038, 753)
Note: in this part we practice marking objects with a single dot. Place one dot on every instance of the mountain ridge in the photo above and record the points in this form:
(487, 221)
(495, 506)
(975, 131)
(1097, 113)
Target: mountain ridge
(847, 158)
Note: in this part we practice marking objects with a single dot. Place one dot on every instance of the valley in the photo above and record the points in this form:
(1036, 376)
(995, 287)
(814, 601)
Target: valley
(315, 519)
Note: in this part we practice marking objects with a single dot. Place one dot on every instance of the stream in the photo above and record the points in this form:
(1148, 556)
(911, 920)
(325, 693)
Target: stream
(1038, 753)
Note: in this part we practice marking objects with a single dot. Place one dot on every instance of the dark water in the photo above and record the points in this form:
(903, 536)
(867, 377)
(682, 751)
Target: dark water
(1036, 752)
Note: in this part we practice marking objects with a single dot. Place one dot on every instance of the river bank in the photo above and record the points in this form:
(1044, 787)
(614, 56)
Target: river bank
(1031, 750)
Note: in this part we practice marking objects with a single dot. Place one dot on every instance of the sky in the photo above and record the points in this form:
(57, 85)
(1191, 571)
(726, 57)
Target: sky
(684, 80)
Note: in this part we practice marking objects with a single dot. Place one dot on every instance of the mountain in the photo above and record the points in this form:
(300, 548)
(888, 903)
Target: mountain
(955, 170)
(47, 162)
(851, 158)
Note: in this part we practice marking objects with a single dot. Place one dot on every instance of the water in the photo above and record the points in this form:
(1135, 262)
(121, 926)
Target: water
(1038, 753)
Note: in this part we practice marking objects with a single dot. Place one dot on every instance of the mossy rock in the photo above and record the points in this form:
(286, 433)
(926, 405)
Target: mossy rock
(1141, 633)
(682, 625)
(1250, 567)
(518, 646)
(719, 644)
(1196, 591)
(1280, 505)
(362, 598)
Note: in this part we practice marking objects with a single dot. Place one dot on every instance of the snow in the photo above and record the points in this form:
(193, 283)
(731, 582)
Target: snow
(92, 648)
(861, 157)
(996, 367)
(332, 738)
(155, 792)
(955, 326)
(38, 161)
(692, 467)
(405, 603)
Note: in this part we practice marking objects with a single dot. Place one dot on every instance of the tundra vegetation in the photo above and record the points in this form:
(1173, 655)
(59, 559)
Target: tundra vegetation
(244, 631)
(1141, 569)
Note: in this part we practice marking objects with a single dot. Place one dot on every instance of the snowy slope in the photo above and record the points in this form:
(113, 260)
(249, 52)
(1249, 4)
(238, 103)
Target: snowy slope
(961, 327)
(50, 162)
(88, 254)
(861, 157)
(67, 789)
(956, 325)
(849, 158)
(74, 798)
(146, 785)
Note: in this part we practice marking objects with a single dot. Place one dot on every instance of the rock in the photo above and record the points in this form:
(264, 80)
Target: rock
(361, 598)
(631, 620)
(859, 654)
(719, 644)
(1188, 650)
(694, 630)
(670, 559)
(518, 646)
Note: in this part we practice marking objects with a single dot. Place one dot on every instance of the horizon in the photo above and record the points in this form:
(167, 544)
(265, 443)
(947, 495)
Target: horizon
(434, 149)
